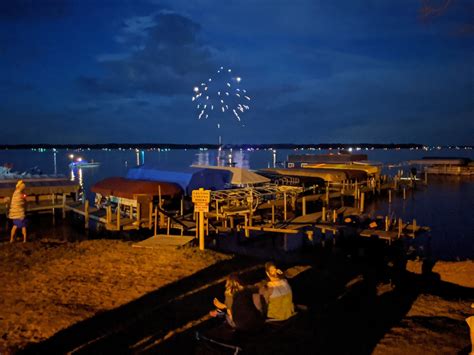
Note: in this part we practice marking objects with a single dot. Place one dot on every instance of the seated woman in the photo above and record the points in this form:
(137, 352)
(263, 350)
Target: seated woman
(232, 286)
(238, 307)
(277, 294)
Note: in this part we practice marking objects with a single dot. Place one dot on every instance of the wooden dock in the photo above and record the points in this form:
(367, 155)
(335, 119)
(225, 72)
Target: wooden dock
(287, 210)
(163, 240)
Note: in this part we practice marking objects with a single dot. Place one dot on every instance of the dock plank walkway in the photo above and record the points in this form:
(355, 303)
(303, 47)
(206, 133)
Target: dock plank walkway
(163, 240)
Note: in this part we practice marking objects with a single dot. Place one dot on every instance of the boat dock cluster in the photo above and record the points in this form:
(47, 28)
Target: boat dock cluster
(310, 197)
(309, 201)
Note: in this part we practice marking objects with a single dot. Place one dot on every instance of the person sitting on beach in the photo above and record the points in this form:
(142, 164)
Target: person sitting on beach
(277, 294)
(18, 210)
(239, 307)
(232, 285)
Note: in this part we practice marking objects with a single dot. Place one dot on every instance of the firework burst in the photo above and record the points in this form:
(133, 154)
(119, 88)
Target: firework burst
(221, 94)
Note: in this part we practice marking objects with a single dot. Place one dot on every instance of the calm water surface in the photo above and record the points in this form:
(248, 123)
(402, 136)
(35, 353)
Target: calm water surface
(446, 205)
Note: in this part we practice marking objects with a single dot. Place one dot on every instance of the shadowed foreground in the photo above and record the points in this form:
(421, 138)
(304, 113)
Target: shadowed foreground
(351, 309)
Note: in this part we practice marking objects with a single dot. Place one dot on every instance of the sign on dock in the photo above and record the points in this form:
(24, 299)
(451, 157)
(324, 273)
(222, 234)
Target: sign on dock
(201, 199)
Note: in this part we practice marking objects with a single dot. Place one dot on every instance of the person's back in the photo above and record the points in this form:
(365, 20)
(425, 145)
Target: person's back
(17, 205)
(245, 315)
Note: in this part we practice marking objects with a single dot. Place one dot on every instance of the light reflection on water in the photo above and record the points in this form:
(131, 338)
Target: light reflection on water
(446, 205)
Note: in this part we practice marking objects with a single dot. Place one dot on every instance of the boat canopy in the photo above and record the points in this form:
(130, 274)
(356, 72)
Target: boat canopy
(322, 174)
(189, 179)
(440, 161)
(369, 169)
(240, 176)
(127, 188)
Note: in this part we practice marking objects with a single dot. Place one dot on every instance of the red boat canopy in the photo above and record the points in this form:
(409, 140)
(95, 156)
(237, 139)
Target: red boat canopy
(126, 188)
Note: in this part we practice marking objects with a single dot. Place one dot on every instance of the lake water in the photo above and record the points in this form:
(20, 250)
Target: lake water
(446, 204)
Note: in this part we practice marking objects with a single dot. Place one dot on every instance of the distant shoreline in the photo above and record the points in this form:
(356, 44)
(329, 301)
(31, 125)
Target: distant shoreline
(336, 146)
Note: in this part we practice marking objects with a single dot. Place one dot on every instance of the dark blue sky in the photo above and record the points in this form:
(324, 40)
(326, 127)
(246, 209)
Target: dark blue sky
(98, 71)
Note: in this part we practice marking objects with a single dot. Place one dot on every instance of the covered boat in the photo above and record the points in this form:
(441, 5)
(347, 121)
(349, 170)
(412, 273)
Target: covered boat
(239, 176)
(315, 176)
(189, 179)
(127, 188)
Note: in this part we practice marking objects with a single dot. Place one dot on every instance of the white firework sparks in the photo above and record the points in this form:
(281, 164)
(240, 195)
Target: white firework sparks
(222, 91)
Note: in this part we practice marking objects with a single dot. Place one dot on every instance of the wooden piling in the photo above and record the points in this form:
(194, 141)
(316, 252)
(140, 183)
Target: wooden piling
(86, 214)
(400, 227)
(246, 222)
(323, 214)
(362, 200)
(404, 193)
(284, 206)
(108, 214)
(389, 196)
(155, 225)
(303, 205)
(139, 217)
(273, 213)
(334, 216)
(118, 217)
(64, 206)
(387, 223)
(150, 214)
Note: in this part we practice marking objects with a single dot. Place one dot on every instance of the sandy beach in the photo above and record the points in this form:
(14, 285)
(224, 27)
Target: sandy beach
(107, 296)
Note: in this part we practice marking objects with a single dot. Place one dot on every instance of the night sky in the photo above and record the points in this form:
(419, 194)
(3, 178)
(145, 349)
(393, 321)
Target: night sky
(99, 71)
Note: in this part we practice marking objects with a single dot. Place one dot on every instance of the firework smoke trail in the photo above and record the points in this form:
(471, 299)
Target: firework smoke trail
(221, 94)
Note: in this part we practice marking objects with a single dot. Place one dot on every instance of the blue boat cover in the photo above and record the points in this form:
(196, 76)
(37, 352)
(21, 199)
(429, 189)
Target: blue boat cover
(189, 180)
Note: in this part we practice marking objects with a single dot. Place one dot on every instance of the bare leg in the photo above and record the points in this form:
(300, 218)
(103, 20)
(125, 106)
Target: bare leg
(23, 231)
(12, 234)
(470, 322)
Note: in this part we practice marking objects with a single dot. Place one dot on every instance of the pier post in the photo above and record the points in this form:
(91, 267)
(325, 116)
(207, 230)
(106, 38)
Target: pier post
(139, 217)
(327, 194)
(389, 196)
(118, 217)
(155, 226)
(273, 212)
(150, 215)
(426, 178)
(108, 215)
(323, 214)
(387, 223)
(246, 222)
(303, 205)
(201, 230)
(86, 214)
(53, 210)
(181, 208)
(64, 205)
(414, 227)
(404, 193)
(362, 200)
(284, 206)
(334, 216)
(400, 227)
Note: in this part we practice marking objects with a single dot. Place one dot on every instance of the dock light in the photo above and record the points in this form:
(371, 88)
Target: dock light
(238, 79)
(79, 159)
(196, 89)
(71, 156)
